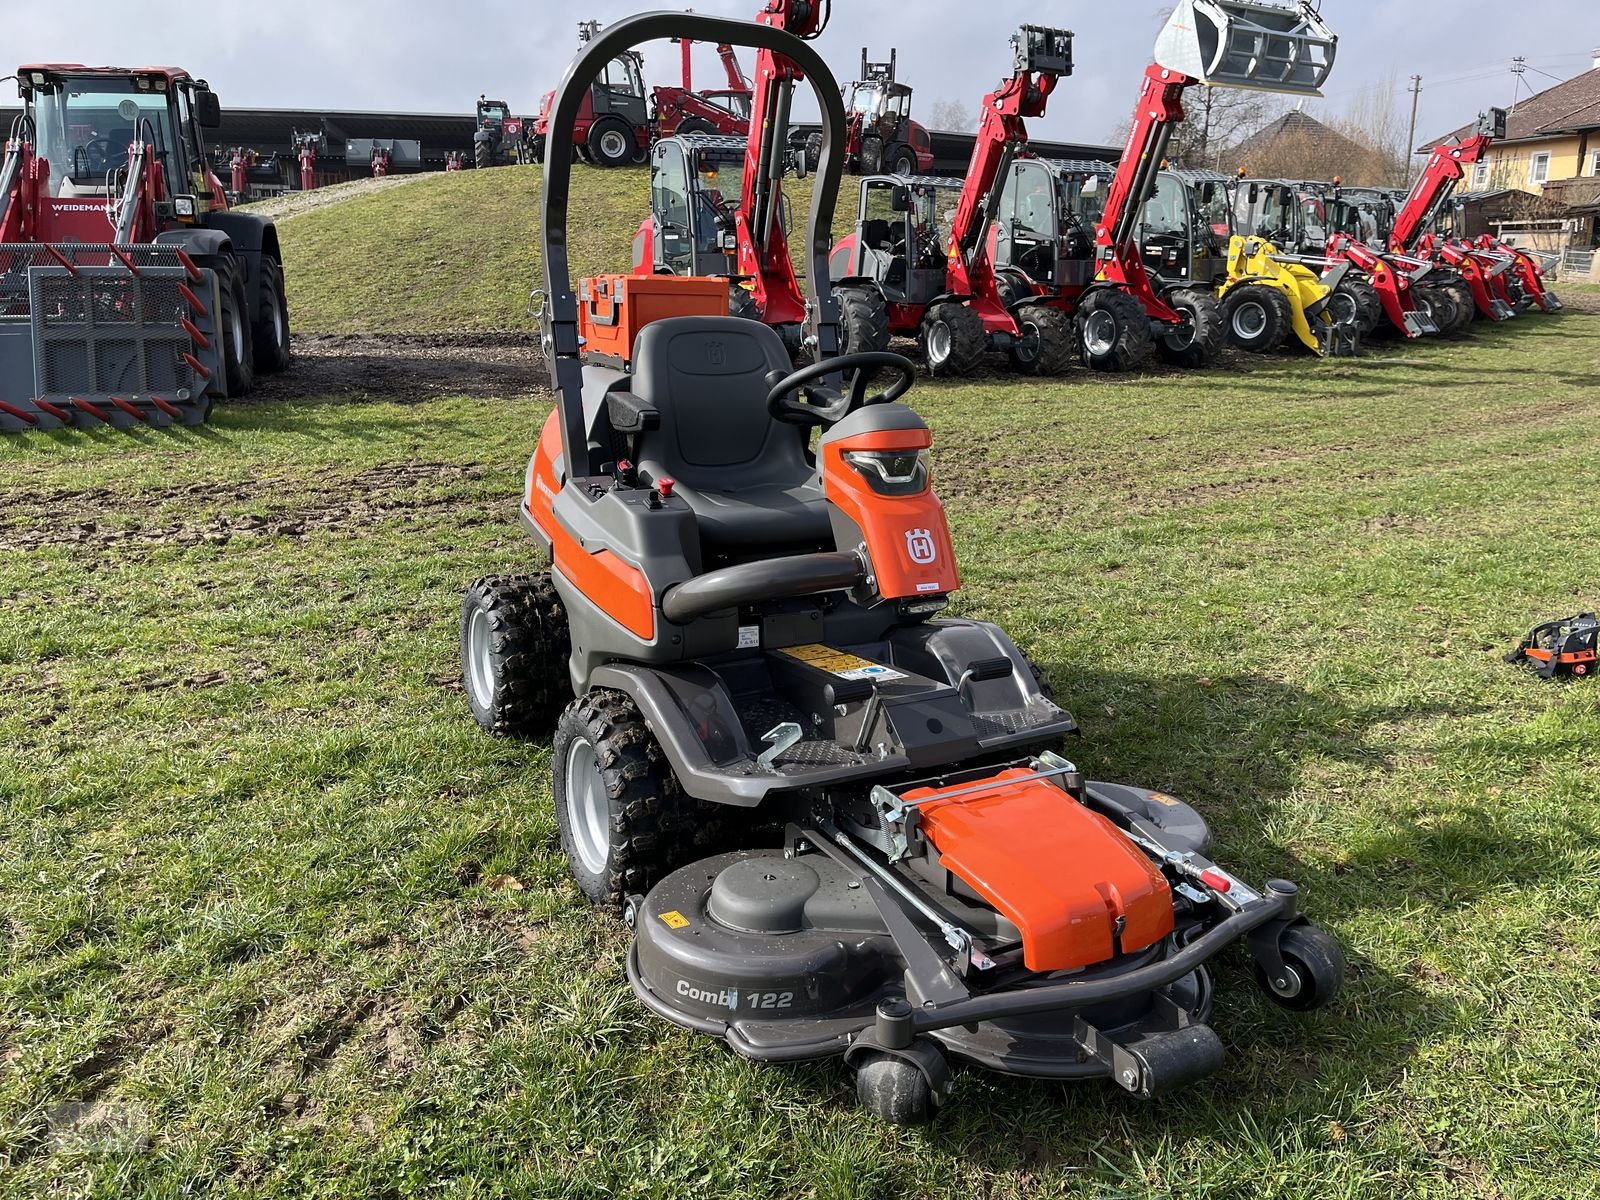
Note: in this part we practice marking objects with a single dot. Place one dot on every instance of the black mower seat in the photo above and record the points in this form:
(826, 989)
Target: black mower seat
(746, 476)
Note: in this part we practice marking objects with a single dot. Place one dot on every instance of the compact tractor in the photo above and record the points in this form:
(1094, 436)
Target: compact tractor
(1503, 281)
(622, 117)
(881, 137)
(130, 293)
(836, 818)
(717, 208)
(920, 262)
(499, 138)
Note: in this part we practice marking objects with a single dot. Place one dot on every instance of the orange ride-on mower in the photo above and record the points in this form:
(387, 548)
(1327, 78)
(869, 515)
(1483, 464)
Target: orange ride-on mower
(746, 635)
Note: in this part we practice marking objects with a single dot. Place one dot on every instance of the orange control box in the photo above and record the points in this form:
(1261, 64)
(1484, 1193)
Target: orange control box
(612, 309)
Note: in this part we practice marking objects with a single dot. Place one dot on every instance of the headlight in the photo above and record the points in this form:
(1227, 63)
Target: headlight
(183, 206)
(891, 472)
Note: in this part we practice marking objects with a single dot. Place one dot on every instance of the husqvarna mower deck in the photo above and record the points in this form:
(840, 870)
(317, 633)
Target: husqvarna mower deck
(838, 819)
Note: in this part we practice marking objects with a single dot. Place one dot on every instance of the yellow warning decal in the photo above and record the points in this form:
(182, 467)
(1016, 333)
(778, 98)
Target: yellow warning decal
(837, 662)
(1162, 798)
(674, 919)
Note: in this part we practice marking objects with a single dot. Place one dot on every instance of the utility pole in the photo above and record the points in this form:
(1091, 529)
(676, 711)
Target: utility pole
(1519, 67)
(1411, 138)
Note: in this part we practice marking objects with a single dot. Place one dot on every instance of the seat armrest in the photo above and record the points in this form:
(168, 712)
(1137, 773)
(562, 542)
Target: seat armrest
(630, 414)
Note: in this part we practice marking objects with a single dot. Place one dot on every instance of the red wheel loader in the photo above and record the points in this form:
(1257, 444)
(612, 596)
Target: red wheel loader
(920, 262)
(1086, 256)
(717, 208)
(880, 136)
(130, 294)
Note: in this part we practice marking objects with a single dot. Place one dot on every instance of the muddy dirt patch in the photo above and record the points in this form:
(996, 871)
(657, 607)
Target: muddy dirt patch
(407, 368)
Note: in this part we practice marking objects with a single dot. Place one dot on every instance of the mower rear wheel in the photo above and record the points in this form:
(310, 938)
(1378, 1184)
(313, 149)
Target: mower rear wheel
(894, 1090)
(1114, 331)
(1203, 335)
(624, 820)
(514, 651)
(1046, 345)
(1313, 969)
(611, 142)
(1258, 317)
(953, 339)
(271, 333)
(863, 321)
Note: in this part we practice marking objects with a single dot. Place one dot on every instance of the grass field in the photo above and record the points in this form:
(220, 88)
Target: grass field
(271, 898)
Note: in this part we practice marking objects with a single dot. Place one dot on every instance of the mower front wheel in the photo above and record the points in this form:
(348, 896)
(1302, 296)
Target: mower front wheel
(953, 339)
(1045, 347)
(1258, 317)
(894, 1090)
(514, 651)
(624, 820)
(1199, 341)
(1114, 331)
(1313, 971)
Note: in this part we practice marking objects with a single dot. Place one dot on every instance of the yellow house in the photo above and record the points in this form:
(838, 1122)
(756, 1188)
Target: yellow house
(1550, 137)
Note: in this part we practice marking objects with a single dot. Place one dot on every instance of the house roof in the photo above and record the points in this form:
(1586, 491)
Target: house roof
(1566, 108)
(1297, 124)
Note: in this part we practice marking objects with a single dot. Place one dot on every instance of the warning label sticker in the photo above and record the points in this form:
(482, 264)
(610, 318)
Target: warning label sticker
(674, 919)
(837, 662)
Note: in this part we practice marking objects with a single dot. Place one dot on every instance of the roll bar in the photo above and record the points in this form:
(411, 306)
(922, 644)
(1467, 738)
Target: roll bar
(560, 334)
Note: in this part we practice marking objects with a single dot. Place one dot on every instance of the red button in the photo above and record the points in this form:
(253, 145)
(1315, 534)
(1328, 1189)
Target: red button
(665, 486)
(1215, 880)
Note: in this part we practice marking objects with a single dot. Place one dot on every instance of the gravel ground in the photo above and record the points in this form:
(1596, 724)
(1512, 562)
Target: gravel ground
(292, 204)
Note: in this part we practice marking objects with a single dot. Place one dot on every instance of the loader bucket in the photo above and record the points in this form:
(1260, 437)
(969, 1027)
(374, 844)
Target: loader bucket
(1248, 44)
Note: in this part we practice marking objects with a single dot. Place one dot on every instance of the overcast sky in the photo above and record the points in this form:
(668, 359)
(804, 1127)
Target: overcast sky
(427, 56)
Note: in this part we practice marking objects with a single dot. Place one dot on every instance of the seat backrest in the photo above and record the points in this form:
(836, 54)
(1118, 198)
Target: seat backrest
(876, 234)
(707, 378)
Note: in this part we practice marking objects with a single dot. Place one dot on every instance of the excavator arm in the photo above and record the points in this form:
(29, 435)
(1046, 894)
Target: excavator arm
(763, 245)
(1447, 166)
(1043, 57)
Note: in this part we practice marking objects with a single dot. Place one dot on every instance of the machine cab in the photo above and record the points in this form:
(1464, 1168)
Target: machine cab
(902, 236)
(1045, 225)
(1185, 227)
(85, 120)
(696, 182)
(1271, 210)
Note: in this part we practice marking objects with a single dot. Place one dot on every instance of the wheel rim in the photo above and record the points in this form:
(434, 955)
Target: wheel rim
(613, 144)
(1344, 308)
(1181, 337)
(480, 662)
(1028, 346)
(1100, 332)
(588, 806)
(237, 337)
(1250, 320)
(278, 330)
(938, 342)
(1289, 984)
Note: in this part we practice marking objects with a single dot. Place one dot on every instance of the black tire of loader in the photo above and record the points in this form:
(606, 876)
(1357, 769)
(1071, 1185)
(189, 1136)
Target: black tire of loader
(596, 142)
(966, 338)
(482, 155)
(528, 653)
(1049, 341)
(863, 321)
(233, 324)
(1133, 344)
(1466, 306)
(1275, 328)
(1366, 308)
(1440, 304)
(655, 828)
(1209, 336)
(271, 333)
(813, 152)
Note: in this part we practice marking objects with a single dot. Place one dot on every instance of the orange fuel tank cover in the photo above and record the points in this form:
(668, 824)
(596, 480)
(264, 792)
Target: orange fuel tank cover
(1063, 875)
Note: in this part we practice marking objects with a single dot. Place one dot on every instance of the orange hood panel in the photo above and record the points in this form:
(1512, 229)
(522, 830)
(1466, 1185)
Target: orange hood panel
(1060, 873)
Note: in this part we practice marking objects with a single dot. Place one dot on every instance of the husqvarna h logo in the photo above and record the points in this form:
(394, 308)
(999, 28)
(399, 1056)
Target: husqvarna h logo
(715, 354)
(921, 546)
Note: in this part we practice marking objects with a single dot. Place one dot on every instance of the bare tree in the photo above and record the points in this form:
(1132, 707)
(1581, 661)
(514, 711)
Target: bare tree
(951, 116)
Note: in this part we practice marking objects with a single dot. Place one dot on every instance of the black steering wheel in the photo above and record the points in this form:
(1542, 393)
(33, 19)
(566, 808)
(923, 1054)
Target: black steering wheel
(826, 406)
(97, 151)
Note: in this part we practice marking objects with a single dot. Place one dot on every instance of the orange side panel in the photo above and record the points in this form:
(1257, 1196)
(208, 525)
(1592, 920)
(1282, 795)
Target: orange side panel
(1060, 873)
(619, 588)
(908, 537)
